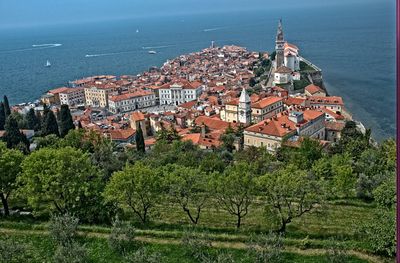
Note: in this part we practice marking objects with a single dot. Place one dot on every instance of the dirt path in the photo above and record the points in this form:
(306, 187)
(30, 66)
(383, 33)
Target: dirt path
(216, 244)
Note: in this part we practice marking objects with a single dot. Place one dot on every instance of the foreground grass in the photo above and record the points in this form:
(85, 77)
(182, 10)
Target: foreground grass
(307, 239)
(39, 248)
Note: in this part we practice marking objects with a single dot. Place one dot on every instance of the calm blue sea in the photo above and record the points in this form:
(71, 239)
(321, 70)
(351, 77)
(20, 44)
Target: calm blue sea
(354, 45)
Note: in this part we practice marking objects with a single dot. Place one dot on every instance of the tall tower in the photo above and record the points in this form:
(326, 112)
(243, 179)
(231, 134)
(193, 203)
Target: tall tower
(279, 46)
(244, 107)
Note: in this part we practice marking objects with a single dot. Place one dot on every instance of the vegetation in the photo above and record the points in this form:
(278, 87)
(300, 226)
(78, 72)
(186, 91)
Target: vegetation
(230, 199)
(66, 123)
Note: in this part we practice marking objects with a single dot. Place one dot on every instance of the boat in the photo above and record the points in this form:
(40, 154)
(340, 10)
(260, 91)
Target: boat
(137, 30)
(48, 64)
(152, 52)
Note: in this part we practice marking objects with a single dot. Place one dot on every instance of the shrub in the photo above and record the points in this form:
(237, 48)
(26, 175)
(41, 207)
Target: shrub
(63, 229)
(266, 248)
(11, 251)
(143, 255)
(122, 237)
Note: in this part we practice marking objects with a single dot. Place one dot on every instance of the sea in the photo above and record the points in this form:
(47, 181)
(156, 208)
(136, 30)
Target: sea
(354, 45)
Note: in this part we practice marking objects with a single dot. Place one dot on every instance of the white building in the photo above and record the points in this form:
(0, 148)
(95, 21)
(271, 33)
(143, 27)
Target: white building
(179, 92)
(244, 107)
(131, 101)
(291, 56)
(72, 96)
(283, 75)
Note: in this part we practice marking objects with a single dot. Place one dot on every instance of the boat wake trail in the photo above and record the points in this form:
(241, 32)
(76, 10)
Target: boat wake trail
(34, 47)
(47, 45)
(109, 54)
(158, 47)
(213, 29)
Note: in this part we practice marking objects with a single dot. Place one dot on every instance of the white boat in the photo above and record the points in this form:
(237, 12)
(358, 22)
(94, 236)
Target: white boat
(137, 30)
(152, 52)
(48, 64)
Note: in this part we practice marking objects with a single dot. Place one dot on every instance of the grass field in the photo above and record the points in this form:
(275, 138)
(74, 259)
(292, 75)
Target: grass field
(307, 238)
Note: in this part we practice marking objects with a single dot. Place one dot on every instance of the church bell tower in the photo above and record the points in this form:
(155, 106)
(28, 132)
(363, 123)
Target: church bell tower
(279, 46)
(244, 108)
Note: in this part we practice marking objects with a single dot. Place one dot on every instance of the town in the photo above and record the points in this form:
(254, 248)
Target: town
(273, 99)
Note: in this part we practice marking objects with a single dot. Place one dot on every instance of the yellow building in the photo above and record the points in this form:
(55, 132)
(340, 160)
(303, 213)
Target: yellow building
(96, 95)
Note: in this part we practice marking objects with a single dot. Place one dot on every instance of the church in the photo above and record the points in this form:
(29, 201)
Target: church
(287, 59)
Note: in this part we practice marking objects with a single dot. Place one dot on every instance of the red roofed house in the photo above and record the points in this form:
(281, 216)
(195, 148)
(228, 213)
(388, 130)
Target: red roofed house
(179, 91)
(266, 108)
(122, 135)
(131, 101)
(137, 118)
(53, 96)
(332, 103)
(313, 90)
(271, 132)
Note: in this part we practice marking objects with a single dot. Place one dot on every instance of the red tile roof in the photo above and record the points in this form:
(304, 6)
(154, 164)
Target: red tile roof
(58, 90)
(137, 116)
(213, 123)
(333, 100)
(312, 89)
(128, 96)
(266, 102)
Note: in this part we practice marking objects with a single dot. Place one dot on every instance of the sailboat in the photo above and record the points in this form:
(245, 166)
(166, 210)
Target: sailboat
(48, 64)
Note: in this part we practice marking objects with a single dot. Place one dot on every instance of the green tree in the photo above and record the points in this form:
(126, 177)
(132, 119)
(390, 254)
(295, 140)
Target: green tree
(344, 180)
(6, 106)
(13, 136)
(140, 146)
(122, 237)
(62, 180)
(291, 193)
(168, 135)
(2, 116)
(234, 190)
(188, 187)
(228, 139)
(50, 125)
(66, 122)
(136, 186)
(32, 122)
(10, 168)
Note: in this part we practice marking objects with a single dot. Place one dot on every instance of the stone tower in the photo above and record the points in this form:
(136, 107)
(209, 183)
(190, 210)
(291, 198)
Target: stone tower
(279, 46)
(244, 108)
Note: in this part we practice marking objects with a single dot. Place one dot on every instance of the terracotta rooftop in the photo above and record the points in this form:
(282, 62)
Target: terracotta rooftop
(128, 96)
(213, 123)
(312, 89)
(58, 90)
(283, 69)
(266, 102)
(137, 116)
(326, 100)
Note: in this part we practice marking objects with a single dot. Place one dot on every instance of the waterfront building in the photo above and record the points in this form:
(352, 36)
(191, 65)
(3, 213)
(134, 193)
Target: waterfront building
(333, 103)
(72, 96)
(96, 93)
(314, 90)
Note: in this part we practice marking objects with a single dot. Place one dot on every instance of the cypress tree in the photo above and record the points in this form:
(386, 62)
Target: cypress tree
(13, 136)
(50, 125)
(32, 121)
(39, 119)
(2, 116)
(140, 146)
(6, 106)
(66, 122)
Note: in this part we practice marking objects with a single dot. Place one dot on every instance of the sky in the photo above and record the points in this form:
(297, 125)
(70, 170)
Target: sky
(23, 13)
